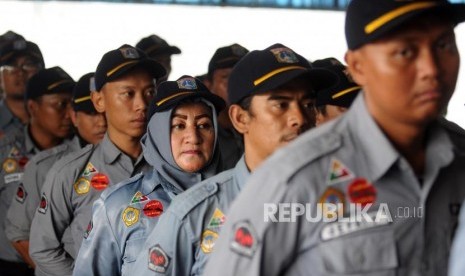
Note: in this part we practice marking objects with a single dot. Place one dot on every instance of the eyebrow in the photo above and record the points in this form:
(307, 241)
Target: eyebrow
(176, 115)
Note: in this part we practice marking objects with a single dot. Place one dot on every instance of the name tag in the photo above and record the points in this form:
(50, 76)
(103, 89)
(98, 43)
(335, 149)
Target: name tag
(13, 177)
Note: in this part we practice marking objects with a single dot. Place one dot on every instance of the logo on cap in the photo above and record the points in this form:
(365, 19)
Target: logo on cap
(284, 55)
(129, 53)
(19, 44)
(187, 83)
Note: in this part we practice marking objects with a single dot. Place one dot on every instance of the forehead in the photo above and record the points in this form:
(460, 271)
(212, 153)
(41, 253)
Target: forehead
(137, 76)
(197, 108)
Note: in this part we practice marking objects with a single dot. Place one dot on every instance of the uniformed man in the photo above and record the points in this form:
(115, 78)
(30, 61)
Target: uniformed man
(158, 49)
(271, 96)
(219, 69)
(19, 61)
(336, 100)
(388, 174)
(48, 96)
(90, 127)
(184, 113)
(125, 83)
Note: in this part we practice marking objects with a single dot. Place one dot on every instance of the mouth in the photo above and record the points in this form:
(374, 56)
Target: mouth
(192, 152)
(429, 95)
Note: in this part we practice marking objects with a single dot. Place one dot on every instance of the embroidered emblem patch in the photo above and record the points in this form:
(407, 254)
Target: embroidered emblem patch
(158, 260)
(338, 172)
(153, 208)
(284, 55)
(129, 53)
(361, 191)
(10, 165)
(209, 238)
(138, 198)
(217, 220)
(336, 198)
(130, 216)
(14, 153)
(82, 186)
(244, 241)
(99, 181)
(90, 169)
(20, 193)
(187, 83)
(43, 205)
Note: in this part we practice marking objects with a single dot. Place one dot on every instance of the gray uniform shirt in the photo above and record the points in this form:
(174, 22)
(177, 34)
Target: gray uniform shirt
(187, 232)
(8, 122)
(27, 197)
(347, 161)
(231, 147)
(15, 151)
(71, 187)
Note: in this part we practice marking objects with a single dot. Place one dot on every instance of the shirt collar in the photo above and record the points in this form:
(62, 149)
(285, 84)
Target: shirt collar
(5, 115)
(110, 151)
(241, 173)
(29, 144)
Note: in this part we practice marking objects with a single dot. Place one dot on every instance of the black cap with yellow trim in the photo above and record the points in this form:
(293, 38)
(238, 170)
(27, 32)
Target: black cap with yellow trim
(81, 94)
(116, 63)
(10, 49)
(264, 70)
(368, 20)
(341, 94)
(170, 93)
(226, 57)
(153, 45)
(49, 81)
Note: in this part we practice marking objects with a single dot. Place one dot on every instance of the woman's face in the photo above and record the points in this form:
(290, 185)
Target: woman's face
(192, 136)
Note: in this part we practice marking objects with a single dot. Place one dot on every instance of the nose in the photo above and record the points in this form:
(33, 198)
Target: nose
(428, 64)
(141, 102)
(298, 118)
(192, 136)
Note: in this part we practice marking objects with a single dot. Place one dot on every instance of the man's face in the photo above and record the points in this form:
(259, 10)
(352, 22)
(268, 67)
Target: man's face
(410, 75)
(50, 113)
(14, 75)
(91, 126)
(125, 102)
(219, 82)
(277, 118)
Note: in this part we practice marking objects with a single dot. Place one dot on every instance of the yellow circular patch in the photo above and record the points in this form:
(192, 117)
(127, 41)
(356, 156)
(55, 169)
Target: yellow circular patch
(208, 241)
(82, 186)
(10, 165)
(130, 216)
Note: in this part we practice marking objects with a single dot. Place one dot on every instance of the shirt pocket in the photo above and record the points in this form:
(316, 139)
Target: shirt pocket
(132, 250)
(367, 253)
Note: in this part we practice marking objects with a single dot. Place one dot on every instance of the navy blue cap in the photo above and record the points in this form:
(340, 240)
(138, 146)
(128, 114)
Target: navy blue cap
(369, 20)
(264, 70)
(226, 57)
(10, 49)
(116, 63)
(170, 93)
(343, 92)
(81, 94)
(49, 81)
(154, 45)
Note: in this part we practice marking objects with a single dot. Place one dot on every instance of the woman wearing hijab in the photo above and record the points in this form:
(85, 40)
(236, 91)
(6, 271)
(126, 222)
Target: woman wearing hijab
(181, 146)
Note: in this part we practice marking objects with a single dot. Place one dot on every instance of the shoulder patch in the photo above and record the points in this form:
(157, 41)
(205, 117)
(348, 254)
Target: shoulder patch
(158, 259)
(244, 240)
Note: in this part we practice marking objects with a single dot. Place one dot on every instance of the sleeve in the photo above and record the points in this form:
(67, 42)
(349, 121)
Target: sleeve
(23, 206)
(100, 253)
(54, 214)
(456, 263)
(168, 250)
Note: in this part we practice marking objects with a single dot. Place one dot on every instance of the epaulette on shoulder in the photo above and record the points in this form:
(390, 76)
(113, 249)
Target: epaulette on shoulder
(184, 203)
(114, 188)
(45, 154)
(79, 156)
(306, 149)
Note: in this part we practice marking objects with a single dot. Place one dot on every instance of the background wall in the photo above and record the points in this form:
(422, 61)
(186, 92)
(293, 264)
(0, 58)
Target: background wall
(75, 35)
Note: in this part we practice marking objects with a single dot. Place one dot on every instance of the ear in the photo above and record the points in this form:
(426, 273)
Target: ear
(354, 61)
(32, 107)
(240, 118)
(98, 100)
(74, 119)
